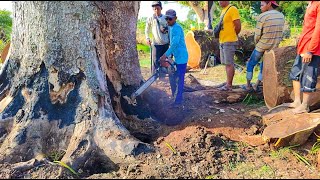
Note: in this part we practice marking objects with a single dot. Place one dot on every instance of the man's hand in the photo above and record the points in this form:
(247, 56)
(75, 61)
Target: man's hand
(163, 57)
(306, 58)
(148, 42)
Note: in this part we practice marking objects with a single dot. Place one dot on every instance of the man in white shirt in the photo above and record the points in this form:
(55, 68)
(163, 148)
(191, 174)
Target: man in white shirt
(160, 39)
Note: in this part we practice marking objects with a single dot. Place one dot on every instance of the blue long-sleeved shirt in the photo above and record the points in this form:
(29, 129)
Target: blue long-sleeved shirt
(177, 46)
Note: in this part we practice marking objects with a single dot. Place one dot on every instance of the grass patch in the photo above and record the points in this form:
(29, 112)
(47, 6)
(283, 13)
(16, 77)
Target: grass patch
(143, 48)
(248, 170)
(316, 146)
(253, 100)
(145, 62)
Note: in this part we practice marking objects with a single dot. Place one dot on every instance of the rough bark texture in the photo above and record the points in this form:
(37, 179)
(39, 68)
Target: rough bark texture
(204, 13)
(277, 86)
(67, 60)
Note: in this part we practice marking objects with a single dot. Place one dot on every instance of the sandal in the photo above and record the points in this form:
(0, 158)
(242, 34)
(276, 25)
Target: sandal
(224, 88)
(244, 86)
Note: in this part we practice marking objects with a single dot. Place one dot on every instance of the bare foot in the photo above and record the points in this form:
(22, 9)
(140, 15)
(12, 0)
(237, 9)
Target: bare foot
(292, 105)
(301, 109)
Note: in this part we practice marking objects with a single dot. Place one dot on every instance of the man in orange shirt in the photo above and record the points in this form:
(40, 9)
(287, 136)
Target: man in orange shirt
(304, 71)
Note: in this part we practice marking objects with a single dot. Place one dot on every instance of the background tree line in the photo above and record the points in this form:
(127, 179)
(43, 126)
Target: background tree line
(293, 11)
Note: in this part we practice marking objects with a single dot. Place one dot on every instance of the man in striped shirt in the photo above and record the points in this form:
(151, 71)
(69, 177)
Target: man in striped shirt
(267, 35)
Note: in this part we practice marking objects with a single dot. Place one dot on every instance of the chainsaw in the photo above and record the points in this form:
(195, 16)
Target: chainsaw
(167, 66)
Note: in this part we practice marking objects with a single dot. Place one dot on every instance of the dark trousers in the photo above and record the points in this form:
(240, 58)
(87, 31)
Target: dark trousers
(156, 52)
(307, 74)
(177, 82)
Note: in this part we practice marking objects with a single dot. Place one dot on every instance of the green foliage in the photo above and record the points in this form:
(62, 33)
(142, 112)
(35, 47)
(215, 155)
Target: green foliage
(293, 11)
(5, 25)
(141, 24)
(247, 18)
(196, 3)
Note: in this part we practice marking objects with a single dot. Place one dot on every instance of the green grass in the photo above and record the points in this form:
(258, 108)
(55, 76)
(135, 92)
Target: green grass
(143, 48)
(249, 170)
(145, 62)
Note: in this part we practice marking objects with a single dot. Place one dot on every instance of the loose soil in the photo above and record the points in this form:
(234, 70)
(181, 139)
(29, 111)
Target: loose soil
(201, 139)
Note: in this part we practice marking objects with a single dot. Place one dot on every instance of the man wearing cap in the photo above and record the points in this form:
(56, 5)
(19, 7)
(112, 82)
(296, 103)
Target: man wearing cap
(179, 51)
(304, 71)
(267, 35)
(160, 38)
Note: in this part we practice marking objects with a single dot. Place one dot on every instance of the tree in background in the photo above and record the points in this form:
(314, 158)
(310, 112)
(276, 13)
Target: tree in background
(203, 9)
(5, 27)
(293, 11)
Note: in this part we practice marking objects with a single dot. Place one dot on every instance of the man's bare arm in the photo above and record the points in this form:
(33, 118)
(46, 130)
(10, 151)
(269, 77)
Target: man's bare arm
(237, 26)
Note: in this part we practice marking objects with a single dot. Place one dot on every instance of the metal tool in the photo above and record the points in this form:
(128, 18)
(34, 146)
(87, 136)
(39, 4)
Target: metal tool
(167, 66)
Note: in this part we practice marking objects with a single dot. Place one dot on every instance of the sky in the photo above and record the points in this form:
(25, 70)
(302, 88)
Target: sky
(6, 5)
(145, 8)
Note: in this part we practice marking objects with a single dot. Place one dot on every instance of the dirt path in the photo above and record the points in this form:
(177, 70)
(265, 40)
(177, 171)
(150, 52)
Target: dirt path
(202, 139)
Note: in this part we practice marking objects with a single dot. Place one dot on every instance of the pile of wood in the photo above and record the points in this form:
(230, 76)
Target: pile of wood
(201, 44)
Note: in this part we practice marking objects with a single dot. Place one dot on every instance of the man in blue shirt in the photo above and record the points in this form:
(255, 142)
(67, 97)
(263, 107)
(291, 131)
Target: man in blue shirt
(178, 49)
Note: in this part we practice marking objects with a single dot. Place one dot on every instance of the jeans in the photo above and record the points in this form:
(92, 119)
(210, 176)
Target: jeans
(253, 61)
(157, 51)
(177, 82)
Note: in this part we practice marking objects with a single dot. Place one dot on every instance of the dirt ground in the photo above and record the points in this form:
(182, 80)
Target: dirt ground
(201, 139)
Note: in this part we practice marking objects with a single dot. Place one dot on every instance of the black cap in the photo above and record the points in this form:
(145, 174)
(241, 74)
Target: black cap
(156, 3)
(171, 13)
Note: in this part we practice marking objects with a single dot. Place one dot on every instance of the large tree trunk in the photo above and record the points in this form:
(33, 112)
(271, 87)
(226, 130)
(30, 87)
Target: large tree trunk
(277, 86)
(63, 82)
(204, 14)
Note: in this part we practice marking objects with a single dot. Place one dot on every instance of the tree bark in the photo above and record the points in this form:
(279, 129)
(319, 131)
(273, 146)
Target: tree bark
(62, 86)
(204, 13)
(277, 86)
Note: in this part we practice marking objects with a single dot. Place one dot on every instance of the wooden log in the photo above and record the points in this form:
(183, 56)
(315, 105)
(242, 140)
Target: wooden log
(290, 129)
(277, 86)
(276, 68)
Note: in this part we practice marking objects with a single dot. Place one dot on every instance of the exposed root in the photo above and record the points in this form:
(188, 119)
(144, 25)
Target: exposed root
(5, 102)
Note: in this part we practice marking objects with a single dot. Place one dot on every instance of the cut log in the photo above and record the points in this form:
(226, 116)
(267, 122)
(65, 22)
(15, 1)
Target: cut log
(290, 129)
(277, 86)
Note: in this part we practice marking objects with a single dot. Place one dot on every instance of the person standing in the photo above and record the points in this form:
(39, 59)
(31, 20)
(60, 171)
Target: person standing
(228, 39)
(160, 38)
(267, 35)
(178, 49)
(304, 71)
